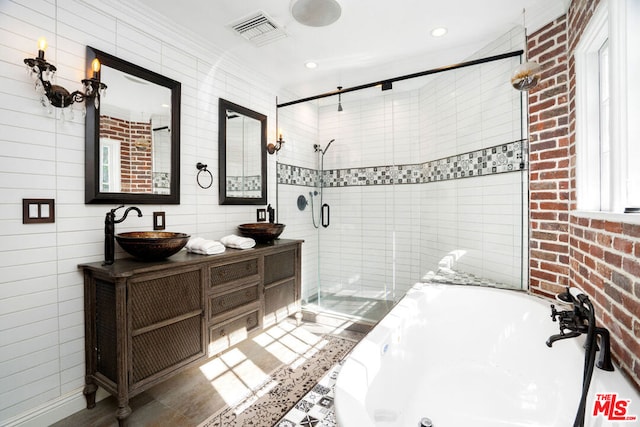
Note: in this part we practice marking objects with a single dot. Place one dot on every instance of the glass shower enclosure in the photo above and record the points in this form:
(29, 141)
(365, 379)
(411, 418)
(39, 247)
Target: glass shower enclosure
(424, 182)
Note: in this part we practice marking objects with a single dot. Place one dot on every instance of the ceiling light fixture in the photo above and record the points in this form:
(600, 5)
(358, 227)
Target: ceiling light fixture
(528, 74)
(311, 65)
(316, 13)
(53, 95)
(439, 32)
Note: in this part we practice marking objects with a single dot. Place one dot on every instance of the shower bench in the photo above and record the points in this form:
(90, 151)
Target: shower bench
(147, 321)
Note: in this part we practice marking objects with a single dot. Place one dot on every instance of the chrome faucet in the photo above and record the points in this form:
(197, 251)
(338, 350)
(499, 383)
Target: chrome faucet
(109, 231)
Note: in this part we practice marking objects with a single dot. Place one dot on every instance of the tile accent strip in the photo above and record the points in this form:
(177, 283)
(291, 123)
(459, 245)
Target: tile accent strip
(509, 157)
(243, 183)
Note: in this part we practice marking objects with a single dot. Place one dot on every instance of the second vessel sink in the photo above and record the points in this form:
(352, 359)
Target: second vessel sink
(152, 245)
(262, 232)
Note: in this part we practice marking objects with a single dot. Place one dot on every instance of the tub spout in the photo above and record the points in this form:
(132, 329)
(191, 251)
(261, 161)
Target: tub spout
(561, 336)
(604, 358)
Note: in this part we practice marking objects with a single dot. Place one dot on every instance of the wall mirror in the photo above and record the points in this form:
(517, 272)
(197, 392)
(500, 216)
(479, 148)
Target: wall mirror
(132, 143)
(242, 139)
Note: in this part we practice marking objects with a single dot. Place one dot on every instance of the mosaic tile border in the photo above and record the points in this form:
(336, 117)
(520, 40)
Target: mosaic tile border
(244, 183)
(509, 157)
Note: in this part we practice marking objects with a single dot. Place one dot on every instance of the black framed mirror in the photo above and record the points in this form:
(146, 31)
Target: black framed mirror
(242, 155)
(132, 139)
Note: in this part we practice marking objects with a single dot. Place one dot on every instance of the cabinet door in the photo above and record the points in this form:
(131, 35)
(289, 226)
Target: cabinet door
(281, 286)
(167, 322)
(279, 302)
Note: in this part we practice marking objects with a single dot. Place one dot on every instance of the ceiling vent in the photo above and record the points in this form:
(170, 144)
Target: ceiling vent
(259, 29)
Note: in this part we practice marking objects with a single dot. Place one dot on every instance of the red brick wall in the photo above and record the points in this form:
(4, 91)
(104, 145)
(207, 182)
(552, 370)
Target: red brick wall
(567, 248)
(549, 161)
(136, 162)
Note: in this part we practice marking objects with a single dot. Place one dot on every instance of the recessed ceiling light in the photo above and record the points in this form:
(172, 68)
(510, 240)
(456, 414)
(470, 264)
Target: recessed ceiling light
(438, 32)
(311, 65)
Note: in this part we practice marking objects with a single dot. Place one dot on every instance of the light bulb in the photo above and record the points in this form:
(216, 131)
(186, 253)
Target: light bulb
(42, 44)
(95, 65)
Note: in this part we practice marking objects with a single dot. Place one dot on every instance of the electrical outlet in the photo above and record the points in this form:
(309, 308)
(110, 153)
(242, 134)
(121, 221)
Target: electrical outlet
(158, 221)
(261, 215)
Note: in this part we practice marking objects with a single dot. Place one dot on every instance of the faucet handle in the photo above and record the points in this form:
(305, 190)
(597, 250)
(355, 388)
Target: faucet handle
(113, 211)
(554, 313)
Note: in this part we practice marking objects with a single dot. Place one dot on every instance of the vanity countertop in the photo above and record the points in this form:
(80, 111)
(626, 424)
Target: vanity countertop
(126, 267)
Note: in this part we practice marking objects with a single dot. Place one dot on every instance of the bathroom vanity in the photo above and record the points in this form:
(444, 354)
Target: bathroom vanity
(147, 321)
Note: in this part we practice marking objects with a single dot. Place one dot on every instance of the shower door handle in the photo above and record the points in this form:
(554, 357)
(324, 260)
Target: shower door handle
(325, 215)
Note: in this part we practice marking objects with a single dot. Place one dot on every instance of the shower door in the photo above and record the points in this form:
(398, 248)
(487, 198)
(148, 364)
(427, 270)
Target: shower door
(425, 182)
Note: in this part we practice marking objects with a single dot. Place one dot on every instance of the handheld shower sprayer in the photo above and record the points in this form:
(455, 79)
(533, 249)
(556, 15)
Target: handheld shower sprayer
(318, 148)
(327, 147)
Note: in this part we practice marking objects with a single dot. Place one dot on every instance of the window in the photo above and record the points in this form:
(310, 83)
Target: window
(109, 165)
(607, 153)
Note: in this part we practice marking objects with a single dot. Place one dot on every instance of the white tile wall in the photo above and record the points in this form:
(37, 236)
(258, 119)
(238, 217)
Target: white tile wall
(41, 295)
(382, 239)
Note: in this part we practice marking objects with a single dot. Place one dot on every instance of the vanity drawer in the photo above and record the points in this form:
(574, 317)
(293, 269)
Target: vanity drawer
(220, 304)
(232, 331)
(235, 271)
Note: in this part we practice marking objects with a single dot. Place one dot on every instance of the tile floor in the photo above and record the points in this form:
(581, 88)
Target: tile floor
(316, 408)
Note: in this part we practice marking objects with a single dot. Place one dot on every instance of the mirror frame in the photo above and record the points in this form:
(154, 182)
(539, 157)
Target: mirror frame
(224, 198)
(92, 138)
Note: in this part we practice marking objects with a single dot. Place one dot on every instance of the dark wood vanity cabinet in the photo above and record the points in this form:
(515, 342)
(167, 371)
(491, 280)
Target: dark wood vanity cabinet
(146, 321)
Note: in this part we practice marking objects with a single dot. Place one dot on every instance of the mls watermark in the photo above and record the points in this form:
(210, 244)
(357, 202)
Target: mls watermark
(612, 408)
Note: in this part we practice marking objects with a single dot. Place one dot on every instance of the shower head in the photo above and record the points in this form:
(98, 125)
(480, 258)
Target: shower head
(327, 147)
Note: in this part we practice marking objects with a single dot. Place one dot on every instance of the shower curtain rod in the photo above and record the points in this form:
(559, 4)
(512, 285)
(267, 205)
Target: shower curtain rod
(406, 77)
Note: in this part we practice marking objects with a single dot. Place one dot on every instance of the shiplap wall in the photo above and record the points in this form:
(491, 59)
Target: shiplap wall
(42, 156)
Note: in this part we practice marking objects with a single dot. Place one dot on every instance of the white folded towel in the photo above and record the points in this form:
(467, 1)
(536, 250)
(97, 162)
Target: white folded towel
(237, 242)
(198, 245)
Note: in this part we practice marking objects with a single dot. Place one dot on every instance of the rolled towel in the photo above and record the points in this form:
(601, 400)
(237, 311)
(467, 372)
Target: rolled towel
(237, 242)
(201, 246)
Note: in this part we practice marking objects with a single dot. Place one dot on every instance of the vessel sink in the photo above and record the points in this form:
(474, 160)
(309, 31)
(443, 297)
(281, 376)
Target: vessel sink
(262, 232)
(152, 245)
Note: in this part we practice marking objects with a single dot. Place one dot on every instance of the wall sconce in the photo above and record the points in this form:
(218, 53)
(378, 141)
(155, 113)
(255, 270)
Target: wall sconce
(272, 148)
(51, 94)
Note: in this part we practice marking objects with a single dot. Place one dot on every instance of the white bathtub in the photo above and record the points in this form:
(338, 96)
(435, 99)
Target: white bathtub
(472, 356)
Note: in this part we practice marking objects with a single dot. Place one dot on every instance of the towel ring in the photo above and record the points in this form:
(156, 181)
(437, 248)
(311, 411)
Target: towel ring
(203, 168)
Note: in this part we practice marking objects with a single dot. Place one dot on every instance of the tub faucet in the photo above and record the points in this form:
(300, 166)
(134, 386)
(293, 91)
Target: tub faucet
(109, 231)
(577, 321)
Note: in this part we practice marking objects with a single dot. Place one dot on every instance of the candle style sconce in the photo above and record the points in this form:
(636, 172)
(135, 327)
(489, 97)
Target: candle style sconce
(57, 96)
(272, 148)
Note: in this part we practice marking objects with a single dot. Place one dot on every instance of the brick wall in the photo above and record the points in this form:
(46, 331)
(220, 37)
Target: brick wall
(567, 248)
(136, 162)
(549, 161)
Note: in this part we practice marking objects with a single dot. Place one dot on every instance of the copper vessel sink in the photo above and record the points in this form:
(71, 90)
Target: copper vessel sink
(261, 232)
(152, 245)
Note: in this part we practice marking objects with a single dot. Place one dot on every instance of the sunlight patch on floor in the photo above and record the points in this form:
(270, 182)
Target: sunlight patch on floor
(234, 375)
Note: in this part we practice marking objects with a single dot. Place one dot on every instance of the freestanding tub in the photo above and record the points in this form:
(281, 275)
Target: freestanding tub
(469, 356)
